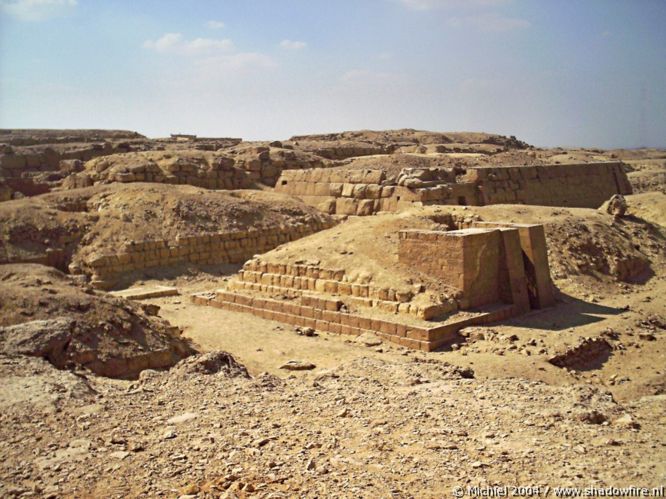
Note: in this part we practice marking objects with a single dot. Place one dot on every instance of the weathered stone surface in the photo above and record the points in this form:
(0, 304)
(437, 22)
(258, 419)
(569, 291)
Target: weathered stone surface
(297, 365)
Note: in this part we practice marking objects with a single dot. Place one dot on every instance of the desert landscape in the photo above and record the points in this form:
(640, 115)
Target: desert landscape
(396, 313)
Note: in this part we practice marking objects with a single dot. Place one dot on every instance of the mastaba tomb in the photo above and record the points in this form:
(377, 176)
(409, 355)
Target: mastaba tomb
(347, 191)
(412, 280)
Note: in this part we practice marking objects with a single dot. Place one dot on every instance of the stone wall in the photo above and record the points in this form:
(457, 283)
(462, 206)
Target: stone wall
(490, 270)
(24, 166)
(487, 264)
(13, 162)
(467, 260)
(345, 192)
(265, 164)
(533, 258)
(224, 247)
(365, 192)
(585, 185)
(221, 174)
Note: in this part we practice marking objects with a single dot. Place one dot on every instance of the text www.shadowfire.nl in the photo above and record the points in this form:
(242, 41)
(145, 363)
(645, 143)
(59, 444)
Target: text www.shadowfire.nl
(546, 491)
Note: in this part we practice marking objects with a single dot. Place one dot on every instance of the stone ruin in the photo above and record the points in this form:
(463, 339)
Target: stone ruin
(235, 246)
(493, 271)
(368, 191)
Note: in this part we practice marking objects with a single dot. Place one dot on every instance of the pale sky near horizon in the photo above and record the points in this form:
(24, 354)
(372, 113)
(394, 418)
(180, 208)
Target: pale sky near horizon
(552, 72)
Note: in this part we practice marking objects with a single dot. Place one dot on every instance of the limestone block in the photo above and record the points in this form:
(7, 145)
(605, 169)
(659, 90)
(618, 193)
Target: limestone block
(337, 274)
(348, 190)
(387, 191)
(124, 258)
(318, 175)
(373, 191)
(390, 307)
(359, 191)
(335, 189)
(345, 206)
(365, 207)
(327, 206)
(331, 287)
(337, 176)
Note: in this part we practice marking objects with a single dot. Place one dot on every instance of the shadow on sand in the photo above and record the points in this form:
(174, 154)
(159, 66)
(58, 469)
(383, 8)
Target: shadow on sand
(567, 313)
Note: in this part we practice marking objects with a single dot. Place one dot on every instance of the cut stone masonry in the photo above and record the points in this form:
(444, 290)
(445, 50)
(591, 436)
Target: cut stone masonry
(224, 247)
(365, 192)
(496, 271)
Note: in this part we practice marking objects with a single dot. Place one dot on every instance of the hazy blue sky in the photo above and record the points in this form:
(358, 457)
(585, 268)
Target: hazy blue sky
(556, 72)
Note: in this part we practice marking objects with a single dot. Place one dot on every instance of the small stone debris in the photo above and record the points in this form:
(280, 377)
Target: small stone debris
(169, 434)
(137, 447)
(297, 365)
(369, 340)
(147, 293)
(183, 418)
(305, 331)
(627, 421)
(261, 442)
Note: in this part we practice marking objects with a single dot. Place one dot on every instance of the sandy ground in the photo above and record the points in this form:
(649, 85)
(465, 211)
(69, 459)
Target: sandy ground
(263, 346)
(379, 421)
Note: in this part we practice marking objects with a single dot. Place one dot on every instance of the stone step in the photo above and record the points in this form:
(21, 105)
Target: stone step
(407, 335)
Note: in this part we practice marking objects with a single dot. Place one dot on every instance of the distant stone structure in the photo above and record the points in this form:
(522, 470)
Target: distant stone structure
(206, 143)
(183, 136)
(365, 192)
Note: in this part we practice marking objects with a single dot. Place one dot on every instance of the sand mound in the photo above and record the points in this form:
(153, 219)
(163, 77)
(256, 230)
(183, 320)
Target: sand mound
(343, 145)
(411, 136)
(46, 314)
(650, 206)
(77, 226)
(366, 249)
(646, 168)
(580, 241)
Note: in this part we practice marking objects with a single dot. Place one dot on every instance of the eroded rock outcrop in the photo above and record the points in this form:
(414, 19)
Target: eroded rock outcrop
(46, 314)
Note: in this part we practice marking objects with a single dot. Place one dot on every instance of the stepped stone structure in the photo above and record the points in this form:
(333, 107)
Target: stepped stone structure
(494, 271)
(365, 192)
